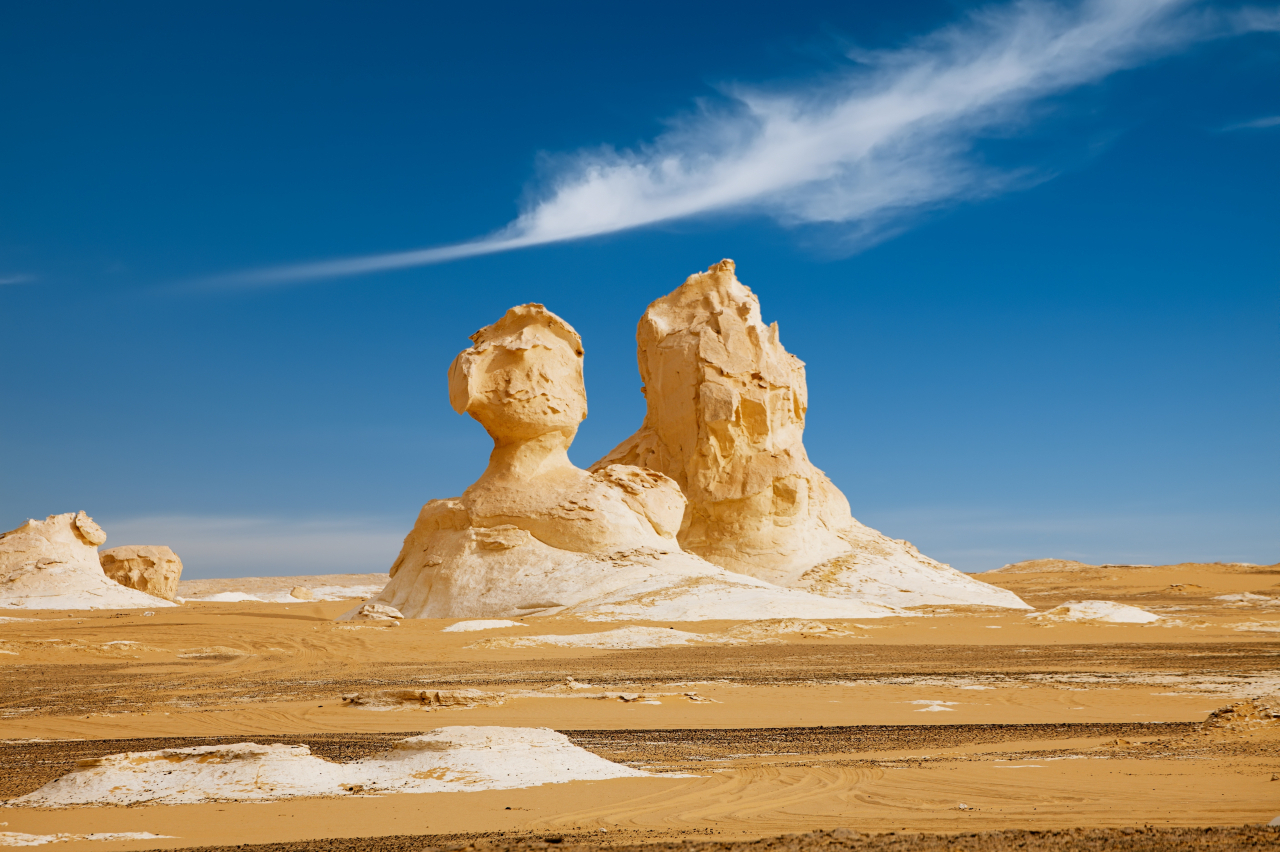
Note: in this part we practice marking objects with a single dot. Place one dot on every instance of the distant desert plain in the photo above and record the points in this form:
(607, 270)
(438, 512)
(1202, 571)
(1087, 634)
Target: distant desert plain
(690, 645)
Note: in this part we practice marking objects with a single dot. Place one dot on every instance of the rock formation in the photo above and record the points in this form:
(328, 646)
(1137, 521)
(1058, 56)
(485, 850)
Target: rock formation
(53, 564)
(154, 569)
(725, 420)
(536, 535)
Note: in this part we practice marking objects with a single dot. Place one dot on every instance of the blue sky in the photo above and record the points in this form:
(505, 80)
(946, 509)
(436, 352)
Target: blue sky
(1030, 254)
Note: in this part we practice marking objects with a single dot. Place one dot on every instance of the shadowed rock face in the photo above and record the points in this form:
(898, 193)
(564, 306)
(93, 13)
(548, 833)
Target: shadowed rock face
(154, 569)
(726, 406)
(537, 535)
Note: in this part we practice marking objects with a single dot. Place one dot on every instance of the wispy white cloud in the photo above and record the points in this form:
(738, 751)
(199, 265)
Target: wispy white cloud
(1256, 124)
(1255, 19)
(15, 279)
(868, 149)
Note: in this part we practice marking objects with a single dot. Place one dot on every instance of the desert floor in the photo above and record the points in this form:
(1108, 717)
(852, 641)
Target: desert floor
(953, 729)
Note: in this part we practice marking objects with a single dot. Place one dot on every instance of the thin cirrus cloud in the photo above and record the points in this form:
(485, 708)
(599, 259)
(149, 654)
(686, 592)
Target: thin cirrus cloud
(867, 150)
(1256, 124)
(15, 279)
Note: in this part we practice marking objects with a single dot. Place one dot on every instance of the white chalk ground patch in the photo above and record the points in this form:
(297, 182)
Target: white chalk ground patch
(1255, 627)
(1097, 611)
(1225, 685)
(934, 706)
(769, 631)
(481, 624)
(17, 838)
(452, 759)
(722, 595)
(321, 593)
(621, 638)
(1247, 599)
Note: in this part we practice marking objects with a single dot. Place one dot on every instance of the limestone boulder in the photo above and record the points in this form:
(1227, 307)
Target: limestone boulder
(725, 414)
(150, 568)
(536, 535)
(53, 564)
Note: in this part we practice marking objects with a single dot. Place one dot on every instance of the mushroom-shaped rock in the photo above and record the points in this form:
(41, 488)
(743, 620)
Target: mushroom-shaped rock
(536, 535)
(53, 564)
(726, 407)
(150, 568)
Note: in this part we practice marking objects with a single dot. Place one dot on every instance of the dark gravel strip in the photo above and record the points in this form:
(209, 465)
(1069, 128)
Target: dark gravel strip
(1138, 839)
(679, 745)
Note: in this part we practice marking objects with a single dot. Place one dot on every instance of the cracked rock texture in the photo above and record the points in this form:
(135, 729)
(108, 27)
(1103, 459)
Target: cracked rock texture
(150, 568)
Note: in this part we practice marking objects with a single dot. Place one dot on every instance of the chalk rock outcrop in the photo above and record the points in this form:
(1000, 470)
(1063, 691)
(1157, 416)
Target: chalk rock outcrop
(53, 564)
(725, 420)
(536, 535)
(150, 568)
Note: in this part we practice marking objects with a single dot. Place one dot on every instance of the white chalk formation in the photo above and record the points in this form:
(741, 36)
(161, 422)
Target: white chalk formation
(1109, 611)
(154, 569)
(769, 632)
(481, 624)
(726, 406)
(536, 535)
(451, 759)
(53, 564)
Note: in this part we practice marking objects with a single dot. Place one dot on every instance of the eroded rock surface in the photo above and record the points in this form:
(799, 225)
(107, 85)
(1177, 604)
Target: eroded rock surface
(150, 568)
(53, 564)
(536, 535)
(725, 420)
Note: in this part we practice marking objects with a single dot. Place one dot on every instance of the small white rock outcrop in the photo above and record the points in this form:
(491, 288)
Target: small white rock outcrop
(451, 759)
(53, 564)
(1110, 611)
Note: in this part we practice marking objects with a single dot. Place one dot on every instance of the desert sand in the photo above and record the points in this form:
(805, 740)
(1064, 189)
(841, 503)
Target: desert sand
(693, 642)
(937, 721)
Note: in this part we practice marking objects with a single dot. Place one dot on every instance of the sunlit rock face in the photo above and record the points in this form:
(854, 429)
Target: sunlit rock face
(53, 564)
(726, 407)
(522, 381)
(537, 535)
(154, 569)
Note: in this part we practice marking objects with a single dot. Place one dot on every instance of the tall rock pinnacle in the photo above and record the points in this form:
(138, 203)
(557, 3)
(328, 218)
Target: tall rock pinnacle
(726, 406)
